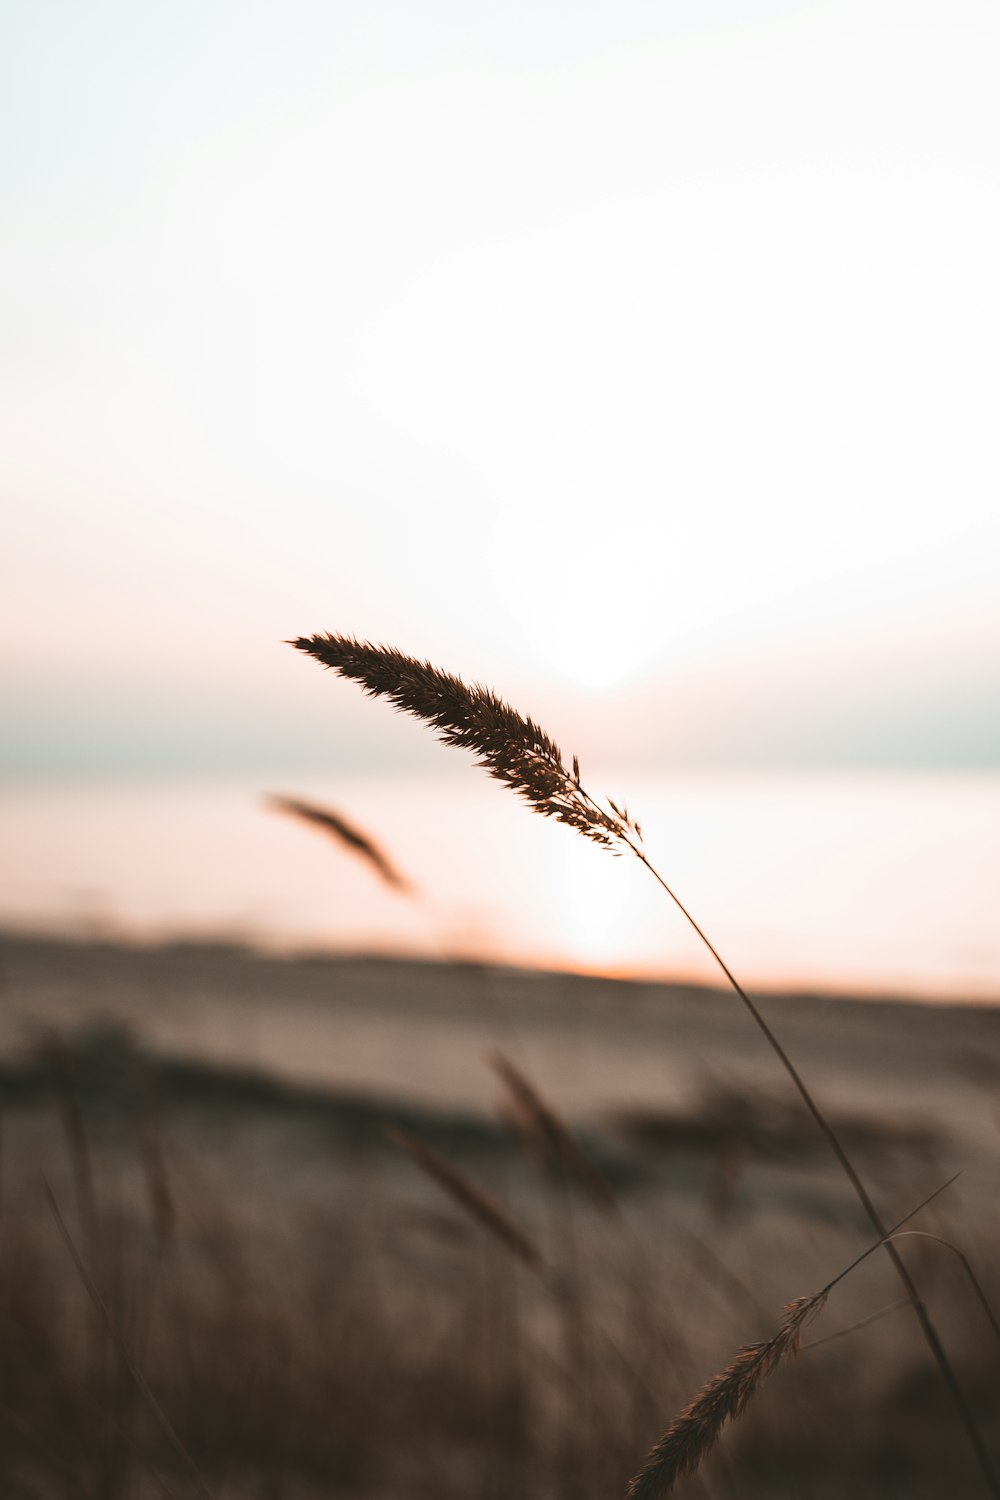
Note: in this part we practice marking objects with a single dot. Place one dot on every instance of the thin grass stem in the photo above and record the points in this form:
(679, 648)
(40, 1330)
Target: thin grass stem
(930, 1333)
(973, 1279)
(128, 1360)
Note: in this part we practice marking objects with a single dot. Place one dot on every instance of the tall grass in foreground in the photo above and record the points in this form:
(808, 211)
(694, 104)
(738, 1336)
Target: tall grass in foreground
(518, 752)
(273, 1297)
(693, 1434)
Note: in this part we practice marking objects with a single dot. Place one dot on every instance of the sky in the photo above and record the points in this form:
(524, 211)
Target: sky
(640, 360)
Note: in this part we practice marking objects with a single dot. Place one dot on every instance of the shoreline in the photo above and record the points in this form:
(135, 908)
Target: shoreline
(58, 939)
(423, 1032)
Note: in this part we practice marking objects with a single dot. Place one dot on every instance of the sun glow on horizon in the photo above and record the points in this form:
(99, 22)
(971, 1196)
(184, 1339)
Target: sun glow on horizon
(588, 340)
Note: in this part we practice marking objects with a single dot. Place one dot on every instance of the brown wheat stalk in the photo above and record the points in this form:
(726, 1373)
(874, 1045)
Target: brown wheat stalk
(517, 751)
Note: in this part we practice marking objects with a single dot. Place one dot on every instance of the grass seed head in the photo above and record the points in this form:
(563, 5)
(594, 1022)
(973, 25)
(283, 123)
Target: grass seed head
(692, 1434)
(512, 748)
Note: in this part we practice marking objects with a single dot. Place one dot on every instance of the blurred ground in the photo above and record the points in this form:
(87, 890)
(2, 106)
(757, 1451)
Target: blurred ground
(316, 1317)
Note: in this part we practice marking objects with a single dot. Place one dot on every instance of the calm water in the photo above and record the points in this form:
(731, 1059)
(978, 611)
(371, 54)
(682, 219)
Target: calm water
(874, 883)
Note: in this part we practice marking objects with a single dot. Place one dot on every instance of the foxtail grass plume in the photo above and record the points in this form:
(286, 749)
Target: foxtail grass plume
(513, 749)
(692, 1434)
(338, 828)
(688, 1439)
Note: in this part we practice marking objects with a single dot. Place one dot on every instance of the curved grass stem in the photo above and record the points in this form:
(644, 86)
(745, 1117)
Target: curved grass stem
(927, 1326)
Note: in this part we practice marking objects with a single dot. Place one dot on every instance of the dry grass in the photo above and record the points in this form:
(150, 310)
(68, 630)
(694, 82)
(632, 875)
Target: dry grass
(696, 1430)
(510, 747)
(162, 1335)
(359, 1344)
(540, 1124)
(517, 751)
(337, 827)
(470, 1198)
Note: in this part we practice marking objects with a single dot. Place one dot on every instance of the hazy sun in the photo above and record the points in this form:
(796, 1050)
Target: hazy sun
(589, 624)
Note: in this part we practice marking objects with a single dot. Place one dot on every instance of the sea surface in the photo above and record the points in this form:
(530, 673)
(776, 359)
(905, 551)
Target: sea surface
(873, 884)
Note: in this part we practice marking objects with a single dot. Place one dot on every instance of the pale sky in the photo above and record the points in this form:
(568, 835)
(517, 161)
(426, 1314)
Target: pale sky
(638, 359)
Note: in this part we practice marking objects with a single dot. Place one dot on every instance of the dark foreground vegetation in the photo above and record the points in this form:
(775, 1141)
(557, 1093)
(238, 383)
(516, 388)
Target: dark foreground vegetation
(216, 1280)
